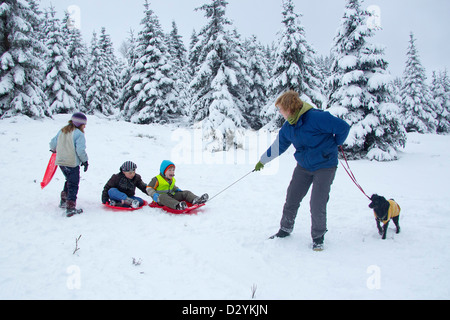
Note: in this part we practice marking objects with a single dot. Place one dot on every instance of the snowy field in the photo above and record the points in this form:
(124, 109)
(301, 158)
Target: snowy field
(223, 251)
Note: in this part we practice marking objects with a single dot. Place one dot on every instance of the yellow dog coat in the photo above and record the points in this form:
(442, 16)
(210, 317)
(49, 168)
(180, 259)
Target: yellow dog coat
(394, 211)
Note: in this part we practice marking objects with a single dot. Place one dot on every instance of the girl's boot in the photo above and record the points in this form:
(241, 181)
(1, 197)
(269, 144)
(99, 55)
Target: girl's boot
(62, 203)
(71, 208)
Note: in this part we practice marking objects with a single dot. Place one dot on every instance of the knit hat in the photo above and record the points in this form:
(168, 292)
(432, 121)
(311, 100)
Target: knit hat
(78, 119)
(166, 164)
(128, 166)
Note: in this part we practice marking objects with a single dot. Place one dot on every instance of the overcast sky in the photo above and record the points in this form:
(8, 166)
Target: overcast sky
(428, 19)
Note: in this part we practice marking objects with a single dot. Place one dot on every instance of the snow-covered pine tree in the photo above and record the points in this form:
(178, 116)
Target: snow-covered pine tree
(95, 95)
(360, 90)
(440, 89)
(131, 56)
(295, 67)
(193, 54)
(111, 70)
(59, 84)
(20, 91)
(177, 49)
(217, 101)
(102, 76)
(181, 77)
(418, 115)
(258, 73)
(78, 59)
(242, 68)
(324, 64)
(152, 84)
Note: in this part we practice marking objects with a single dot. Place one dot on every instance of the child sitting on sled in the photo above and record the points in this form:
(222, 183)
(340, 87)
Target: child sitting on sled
(163, 190)
(121, 187)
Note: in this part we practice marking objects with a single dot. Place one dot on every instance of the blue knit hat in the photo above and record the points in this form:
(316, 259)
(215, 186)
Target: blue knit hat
(166, 164)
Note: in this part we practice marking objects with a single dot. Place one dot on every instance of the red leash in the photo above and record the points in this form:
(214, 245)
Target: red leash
(350, 173)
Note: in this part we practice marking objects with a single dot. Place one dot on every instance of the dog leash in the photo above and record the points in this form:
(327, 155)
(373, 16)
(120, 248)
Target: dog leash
(350, 173)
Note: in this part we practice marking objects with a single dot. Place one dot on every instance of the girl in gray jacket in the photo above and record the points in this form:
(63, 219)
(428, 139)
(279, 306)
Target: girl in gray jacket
(70, 147)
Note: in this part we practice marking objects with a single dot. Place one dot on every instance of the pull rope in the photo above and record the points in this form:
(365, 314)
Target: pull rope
(350, 173)
(231, 185)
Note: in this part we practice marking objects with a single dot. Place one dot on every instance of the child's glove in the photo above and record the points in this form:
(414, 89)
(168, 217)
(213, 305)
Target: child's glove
(85, 165)
(259, 166)
(156, 197)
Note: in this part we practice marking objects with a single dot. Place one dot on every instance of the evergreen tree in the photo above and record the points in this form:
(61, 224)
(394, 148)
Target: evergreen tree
(177, 49)
(194, 54)
(418, 115)
(20, 91)
(178, 54)
(217, 101)
(99, 96)
(111, 70)
(324, 65)
(294, 67)
(440, 89)
(78, 59)
(131, 57)
(152, 84)
(360, 90)
(59, 84)
(259, 74)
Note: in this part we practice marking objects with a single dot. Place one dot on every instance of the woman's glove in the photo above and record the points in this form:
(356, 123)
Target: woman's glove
(259, 166)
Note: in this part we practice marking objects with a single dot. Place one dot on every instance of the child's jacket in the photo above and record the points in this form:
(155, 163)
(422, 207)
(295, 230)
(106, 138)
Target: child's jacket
(161, 185)
(70, 148)
(123, 184)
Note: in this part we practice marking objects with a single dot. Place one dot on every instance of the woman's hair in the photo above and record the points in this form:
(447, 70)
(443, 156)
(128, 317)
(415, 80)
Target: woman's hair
(289, 101)
(70, 127)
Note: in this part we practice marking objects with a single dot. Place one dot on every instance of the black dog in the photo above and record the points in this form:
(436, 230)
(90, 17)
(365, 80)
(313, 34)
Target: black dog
(384, 211)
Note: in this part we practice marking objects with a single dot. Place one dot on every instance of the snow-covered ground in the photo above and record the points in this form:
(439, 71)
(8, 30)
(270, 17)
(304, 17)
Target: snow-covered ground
(223, 251)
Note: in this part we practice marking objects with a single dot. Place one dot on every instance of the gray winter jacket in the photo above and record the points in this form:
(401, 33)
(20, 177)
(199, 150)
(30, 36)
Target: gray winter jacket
(70, 148)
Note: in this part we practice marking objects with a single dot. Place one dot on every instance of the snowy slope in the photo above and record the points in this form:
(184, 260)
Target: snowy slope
(223, 251)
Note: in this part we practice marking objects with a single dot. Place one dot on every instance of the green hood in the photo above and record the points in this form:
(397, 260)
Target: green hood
(294, 118)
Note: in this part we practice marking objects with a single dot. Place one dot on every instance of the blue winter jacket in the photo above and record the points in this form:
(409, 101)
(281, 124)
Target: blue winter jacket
(316, 137)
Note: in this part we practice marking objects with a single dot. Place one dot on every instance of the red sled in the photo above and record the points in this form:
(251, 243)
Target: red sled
(191, 209)
(50, 171)
(124, 208)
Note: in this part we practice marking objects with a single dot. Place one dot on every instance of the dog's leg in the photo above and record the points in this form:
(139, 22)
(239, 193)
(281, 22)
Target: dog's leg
(397, 225)
(380, 231)
(385, 227)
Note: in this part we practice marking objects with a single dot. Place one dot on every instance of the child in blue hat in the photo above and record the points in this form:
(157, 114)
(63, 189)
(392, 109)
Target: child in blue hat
(163, 190)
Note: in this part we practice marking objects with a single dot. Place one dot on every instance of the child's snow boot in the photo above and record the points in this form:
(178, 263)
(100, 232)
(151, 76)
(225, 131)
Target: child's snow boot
(71, 208)
(202, 199)
(181, 206)
(131, 203)
(62, 203)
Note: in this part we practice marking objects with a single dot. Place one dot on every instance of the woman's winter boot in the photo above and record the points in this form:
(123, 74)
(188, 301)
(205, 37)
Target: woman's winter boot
(318, 244)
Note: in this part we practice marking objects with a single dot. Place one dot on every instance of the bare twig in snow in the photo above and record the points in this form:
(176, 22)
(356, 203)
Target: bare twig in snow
(76, 244)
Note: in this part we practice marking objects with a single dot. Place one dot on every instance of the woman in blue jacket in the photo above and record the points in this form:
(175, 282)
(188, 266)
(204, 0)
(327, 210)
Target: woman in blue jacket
(316, 135)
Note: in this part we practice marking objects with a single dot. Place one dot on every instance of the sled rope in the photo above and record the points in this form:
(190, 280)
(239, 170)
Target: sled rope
(350, 173)
(231, 185)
